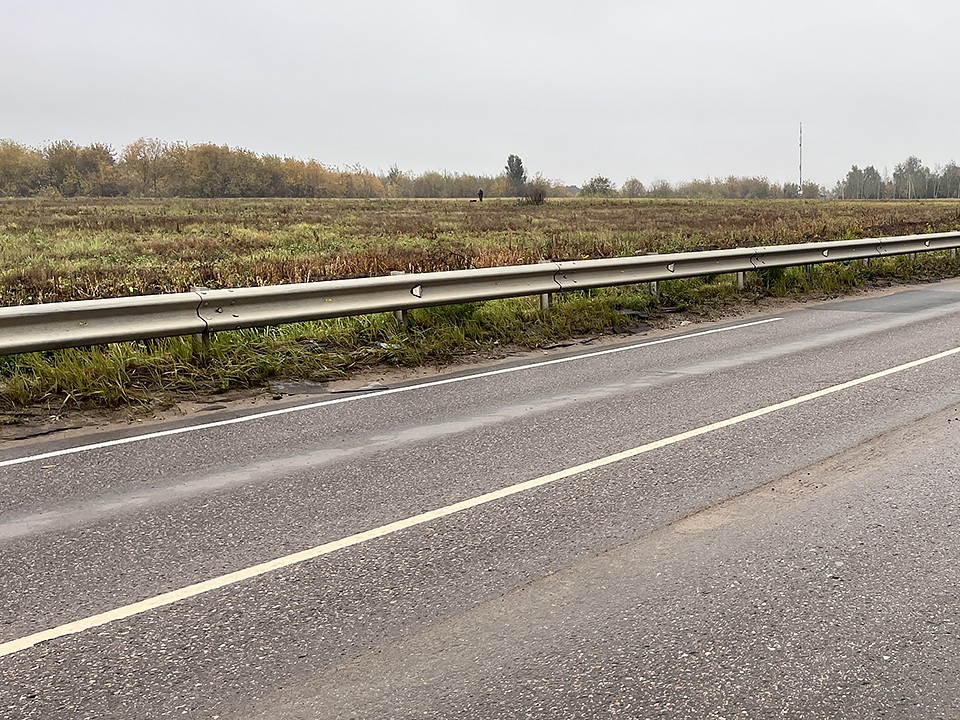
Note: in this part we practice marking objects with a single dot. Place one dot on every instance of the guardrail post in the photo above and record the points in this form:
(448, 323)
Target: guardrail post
(402, 316)
(953, 253)
(202, 340)
(546, 299)
(654, 285)
(741, 279)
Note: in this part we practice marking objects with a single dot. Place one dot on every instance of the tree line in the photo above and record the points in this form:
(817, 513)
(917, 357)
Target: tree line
(911, 179)
(152, 168)
(731, 187)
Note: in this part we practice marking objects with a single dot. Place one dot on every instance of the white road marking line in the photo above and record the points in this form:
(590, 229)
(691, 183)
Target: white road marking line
(366, 396)
(169, 598)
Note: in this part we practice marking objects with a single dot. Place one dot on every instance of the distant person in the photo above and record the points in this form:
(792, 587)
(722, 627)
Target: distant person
(480, 194)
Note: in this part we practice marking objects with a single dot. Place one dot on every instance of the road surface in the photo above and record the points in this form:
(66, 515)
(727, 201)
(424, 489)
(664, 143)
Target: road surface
(756, 518)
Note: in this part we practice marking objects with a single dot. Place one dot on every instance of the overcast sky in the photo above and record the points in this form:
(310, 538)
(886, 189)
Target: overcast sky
(650, 88)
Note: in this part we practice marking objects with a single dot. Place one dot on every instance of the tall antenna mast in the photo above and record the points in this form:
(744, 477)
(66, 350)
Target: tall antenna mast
(801, 159)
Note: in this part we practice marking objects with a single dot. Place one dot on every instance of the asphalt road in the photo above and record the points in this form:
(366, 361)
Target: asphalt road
(757, 518)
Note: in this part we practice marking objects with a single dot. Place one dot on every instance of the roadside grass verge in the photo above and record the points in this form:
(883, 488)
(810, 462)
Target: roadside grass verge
(155, 373)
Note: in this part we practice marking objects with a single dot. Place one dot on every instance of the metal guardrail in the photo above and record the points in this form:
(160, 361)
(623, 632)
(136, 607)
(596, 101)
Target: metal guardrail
(50, 326)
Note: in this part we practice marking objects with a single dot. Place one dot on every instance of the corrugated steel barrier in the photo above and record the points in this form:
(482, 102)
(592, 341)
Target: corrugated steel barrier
(49, 326)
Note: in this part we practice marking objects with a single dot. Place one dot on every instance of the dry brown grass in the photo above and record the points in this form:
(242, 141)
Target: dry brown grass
(53, 250)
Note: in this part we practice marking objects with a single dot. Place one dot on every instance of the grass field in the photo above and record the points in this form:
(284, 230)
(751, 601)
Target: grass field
(70, 250)
(67, 250)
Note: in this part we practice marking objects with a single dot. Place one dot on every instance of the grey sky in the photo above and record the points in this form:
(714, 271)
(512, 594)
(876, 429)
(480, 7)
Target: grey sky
(663, 89)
